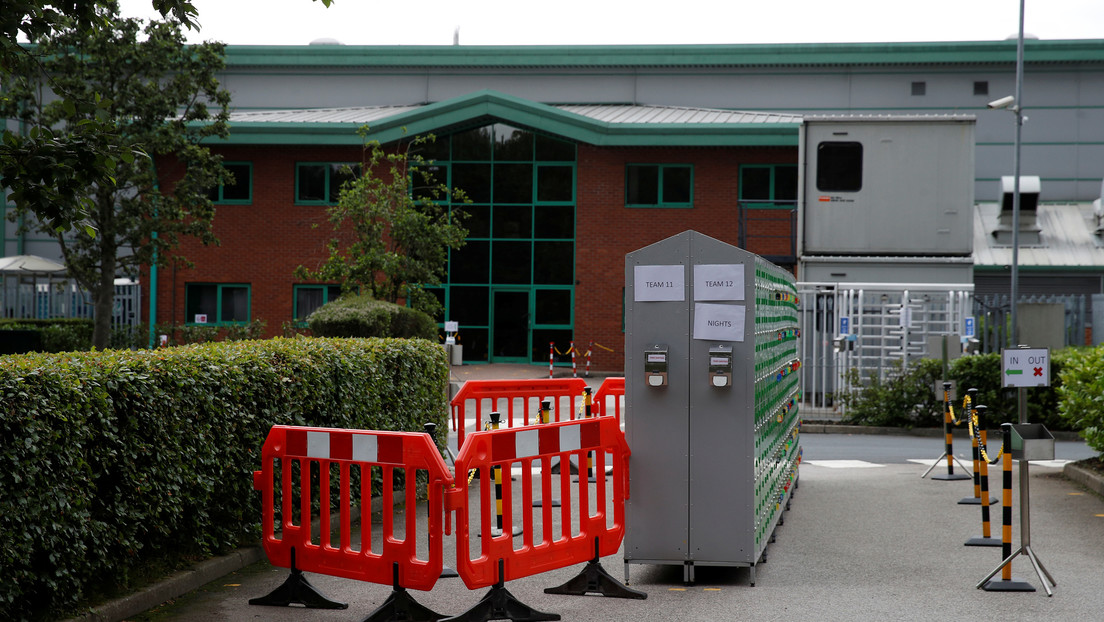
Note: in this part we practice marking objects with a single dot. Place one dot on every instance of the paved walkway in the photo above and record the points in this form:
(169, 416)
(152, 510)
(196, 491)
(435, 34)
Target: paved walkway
(857, 544)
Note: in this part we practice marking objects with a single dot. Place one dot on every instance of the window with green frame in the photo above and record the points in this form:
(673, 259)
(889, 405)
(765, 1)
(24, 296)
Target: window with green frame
(216, 303)
(659, 185)
(308, 298)
(768, 185)
(319, 183)
(241, 191)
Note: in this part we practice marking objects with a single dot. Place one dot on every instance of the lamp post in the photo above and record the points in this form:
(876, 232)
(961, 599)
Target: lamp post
(1017, 108)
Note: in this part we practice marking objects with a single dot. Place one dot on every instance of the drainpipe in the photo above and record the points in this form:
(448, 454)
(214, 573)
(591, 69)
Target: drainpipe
(153, 271)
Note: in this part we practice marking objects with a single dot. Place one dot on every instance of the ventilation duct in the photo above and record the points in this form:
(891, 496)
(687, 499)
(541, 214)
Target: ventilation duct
(1030, 187)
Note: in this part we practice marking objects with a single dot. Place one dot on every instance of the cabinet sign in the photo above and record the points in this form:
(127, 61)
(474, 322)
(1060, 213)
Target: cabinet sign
(719, 282)
(659, 283)
(719, 322)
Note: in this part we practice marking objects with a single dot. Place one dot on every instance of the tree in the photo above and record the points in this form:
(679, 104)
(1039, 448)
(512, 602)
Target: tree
(46, 169)
(160, 97)
(393, 227)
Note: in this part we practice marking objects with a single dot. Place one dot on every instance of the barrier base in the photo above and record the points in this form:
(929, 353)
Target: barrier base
(500, 604)
(1012, 585)
(448, 573)
(296, 589)
(400, 605)
(497, 533)
(949, 477)
(555, 470)
(983, 541)
(595, 580)
(977, 501)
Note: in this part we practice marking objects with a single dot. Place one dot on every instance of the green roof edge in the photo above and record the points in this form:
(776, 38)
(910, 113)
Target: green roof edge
(797, 54)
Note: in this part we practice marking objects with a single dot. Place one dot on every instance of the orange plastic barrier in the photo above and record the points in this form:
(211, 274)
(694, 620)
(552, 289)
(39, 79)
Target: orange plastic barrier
(608, 397)
(585, 528)
(318, 452)
(531, 392)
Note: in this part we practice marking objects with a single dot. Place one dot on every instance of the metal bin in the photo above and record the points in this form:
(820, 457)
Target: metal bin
(1031, 441)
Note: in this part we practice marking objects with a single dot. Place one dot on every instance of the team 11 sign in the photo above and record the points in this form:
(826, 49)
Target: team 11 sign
(1025, 367)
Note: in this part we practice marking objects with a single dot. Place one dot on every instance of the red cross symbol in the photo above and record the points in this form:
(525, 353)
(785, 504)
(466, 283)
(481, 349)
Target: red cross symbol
(1038, 371)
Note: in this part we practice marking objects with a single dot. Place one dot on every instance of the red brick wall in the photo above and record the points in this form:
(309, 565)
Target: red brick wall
(606, 230)
(262, 244)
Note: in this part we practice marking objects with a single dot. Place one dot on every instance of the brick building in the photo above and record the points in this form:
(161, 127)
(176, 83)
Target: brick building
(559, 196)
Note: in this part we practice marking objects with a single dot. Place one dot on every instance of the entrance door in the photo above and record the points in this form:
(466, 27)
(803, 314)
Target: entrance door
(510, 326)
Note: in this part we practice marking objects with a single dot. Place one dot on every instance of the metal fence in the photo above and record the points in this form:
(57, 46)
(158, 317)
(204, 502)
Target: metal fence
(26, 298)
(874, 328)
(878, 328)
(993, 323)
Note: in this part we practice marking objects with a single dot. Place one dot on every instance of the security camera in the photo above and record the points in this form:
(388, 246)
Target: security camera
(1003, 102)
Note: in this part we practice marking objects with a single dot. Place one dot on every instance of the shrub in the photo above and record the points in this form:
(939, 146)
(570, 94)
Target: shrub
(1082, 393)
(59, 335)
(983, 371)
(118, 458)
(908, 397)
(364, 316)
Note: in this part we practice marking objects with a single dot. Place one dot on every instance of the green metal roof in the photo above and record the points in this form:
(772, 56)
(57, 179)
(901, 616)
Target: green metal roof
(630, 126)
(658, 56)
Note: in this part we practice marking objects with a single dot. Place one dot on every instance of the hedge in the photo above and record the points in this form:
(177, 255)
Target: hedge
(57, 335)
(115, 459)
(363, 316)
(1082, 394)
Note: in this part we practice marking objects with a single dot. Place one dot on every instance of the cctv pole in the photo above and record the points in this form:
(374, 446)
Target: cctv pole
(1018, 110)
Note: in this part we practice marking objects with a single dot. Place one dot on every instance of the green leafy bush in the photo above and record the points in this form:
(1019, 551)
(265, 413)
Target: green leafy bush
(112, 459)
(908, 397)
(1082, 393)
(364, 316)
(60, 335)
(905, 399)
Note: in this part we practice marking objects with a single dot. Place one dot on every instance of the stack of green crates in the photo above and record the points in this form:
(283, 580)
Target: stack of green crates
(777, 395)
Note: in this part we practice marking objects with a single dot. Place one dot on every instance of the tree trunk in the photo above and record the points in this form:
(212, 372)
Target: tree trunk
(103, 302)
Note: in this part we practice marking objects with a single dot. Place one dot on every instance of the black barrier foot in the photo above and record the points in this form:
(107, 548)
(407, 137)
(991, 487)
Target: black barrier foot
(983, 541)
(500, 604)
(595, 579)
(401, 606)
(296, 589)
(555, 470)
(1010, 585)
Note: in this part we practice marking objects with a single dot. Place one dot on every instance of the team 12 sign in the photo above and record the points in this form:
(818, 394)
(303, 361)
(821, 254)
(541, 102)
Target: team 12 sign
(1025, 367)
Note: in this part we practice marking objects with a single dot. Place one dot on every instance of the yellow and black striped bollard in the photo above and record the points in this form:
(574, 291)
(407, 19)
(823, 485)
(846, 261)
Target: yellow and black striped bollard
(948, 453)
(982, 469)
(545, 417)
(1006, 583)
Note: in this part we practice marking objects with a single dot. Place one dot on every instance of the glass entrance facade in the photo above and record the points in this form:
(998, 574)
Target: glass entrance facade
(511, 287)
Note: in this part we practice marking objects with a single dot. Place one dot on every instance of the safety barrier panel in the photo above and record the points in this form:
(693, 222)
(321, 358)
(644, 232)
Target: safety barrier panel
(502, 395)
(610, 398)
(299, 463)
(586, 527)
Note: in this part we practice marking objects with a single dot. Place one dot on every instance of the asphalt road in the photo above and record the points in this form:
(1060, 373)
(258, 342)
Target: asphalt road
(894, 449)
(870, 543)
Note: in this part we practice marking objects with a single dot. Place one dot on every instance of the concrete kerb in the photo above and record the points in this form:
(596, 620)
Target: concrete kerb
(173, 586)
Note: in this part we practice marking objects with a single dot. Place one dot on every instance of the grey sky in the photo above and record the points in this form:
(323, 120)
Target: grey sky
(500, 22)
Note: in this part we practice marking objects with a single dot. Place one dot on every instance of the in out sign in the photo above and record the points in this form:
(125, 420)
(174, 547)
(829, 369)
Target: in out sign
(1025, 367)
